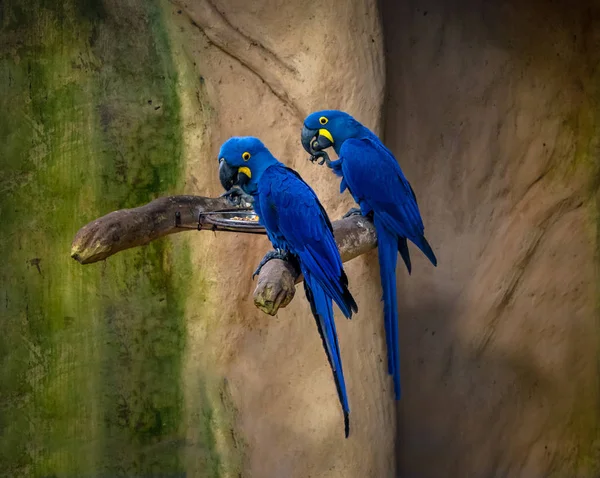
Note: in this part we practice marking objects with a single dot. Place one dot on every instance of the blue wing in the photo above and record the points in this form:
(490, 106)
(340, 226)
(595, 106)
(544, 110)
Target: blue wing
(296, 221)
(375, 180)
(374, 177)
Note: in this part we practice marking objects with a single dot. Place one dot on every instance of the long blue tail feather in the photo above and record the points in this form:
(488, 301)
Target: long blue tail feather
(388, 245)
(404, 253)
(422, 244)
(322, 309)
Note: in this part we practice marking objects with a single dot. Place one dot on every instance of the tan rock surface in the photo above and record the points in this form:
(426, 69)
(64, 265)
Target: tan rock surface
(493, 113)
(492, 110)
(264, 65)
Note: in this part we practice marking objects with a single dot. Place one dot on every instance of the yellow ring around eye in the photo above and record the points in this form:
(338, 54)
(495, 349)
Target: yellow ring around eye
(221, 160)
(323, 120)
(246, 156)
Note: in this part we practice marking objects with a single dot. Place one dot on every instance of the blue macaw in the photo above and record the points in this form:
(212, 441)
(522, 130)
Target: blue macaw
(300, 231)
(372, 175)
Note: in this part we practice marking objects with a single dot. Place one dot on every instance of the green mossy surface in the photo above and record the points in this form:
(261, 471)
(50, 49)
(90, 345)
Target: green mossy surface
(90, 356)
(587, 425)
(583, 459)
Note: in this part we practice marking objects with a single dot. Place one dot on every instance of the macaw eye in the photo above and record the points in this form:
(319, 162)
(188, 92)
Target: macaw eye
(246, 156)
(323, 120)
(221, 160)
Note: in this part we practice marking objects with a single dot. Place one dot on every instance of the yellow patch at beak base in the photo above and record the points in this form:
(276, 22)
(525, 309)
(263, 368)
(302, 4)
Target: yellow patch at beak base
(327, 134)
(245, 170)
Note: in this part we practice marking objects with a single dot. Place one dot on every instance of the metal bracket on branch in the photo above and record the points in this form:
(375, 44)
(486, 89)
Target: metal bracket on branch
(127, 228)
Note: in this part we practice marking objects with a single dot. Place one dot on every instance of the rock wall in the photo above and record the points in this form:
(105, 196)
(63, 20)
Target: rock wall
(492, 109)
(157, 363)
(264, 66)
(90, 358)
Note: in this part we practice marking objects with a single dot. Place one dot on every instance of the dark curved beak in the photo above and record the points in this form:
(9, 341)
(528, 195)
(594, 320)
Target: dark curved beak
(230, 176)
(306, 137)
(313, 141)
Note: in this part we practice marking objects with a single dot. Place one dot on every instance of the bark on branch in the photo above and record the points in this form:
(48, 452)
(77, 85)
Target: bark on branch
(354, 235)
(127, 228)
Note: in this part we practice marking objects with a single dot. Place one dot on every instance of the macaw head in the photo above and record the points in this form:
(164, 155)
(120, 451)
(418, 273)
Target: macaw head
(242, 160)
(323, 129)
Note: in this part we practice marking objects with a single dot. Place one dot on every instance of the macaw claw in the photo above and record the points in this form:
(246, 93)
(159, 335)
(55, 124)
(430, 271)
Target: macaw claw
(238, 197)
(355, 211)
(275, 254)
(322, 156)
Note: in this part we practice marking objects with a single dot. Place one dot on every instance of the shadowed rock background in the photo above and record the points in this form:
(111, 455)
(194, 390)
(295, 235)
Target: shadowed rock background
(156, 362)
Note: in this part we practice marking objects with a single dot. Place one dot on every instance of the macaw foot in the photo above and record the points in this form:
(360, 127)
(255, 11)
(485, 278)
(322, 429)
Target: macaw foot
(355, 211)
(276, 254)
(238, 197)
(322, 157)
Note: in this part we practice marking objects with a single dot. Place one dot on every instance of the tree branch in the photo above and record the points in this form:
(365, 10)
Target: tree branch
(127, 228)
(354, 235)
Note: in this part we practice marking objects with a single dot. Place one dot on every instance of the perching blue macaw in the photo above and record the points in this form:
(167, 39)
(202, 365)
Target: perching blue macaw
(299, 230)
(372, 175)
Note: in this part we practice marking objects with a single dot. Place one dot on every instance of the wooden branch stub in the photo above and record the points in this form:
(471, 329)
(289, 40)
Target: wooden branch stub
(354, 235)
(126, 228)
(276, 286)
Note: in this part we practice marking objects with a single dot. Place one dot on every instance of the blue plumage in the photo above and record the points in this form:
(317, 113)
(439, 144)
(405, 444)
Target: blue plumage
(296, 223)
(374, 178)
